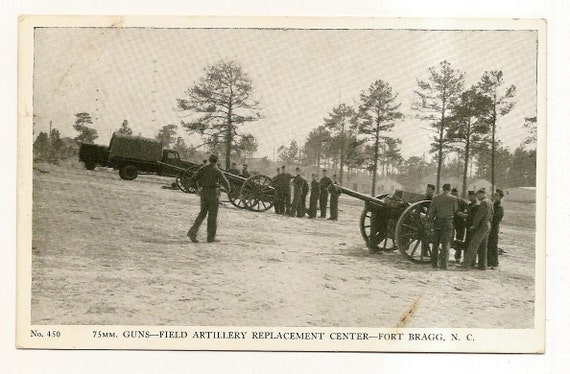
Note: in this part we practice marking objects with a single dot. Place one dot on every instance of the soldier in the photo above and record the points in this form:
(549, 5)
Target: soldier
(278, 192)
(430, 191)
(334, 190)
(493, 246)
(286, 190)
(297, 192)
(441, 213)
(303, 204)
(480, 233)
(244, 171)
(459, 221)
(234, 169)
(314, 198)
(208, 180)
(467, 217)
(324, 184)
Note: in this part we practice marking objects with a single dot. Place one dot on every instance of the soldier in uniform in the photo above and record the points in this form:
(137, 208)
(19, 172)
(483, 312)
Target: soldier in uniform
(234, 169)
(208, 180)
(244, 171)
(278, 192)
(467, 217)
(480, 233)
(441, 213)
(334, 190)
(314, 197)
(297, 191)
(303, 204)
(324, 184)
(493, 246)
(459, 221)
(430, 191)
(286, 190)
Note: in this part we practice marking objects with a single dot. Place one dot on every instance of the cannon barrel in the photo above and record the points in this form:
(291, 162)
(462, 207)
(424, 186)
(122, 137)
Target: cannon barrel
(366, 198)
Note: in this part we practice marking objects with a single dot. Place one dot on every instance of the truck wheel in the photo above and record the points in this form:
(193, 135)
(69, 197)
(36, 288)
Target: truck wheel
(128, 172)
(90, 165)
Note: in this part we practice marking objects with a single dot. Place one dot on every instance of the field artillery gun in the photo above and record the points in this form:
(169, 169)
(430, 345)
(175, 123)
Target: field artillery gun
(255, 193)
(401, 218)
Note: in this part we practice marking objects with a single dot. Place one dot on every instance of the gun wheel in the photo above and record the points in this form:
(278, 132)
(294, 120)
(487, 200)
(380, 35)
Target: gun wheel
(413, 238)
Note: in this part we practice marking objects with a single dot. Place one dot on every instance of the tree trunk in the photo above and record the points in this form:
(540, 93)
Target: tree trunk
(440, 145)
(376, 145)
(229, 137)
(494, 122)
(466, 163)
(341, 152)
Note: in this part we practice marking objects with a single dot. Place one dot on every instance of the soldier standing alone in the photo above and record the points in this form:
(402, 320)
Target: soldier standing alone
(286, 180)
(324, 184)
(443, 208)
(278, 195)
(208, 179)
(314, 197)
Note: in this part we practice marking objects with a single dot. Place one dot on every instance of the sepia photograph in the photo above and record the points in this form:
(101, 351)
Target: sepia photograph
(282, 184)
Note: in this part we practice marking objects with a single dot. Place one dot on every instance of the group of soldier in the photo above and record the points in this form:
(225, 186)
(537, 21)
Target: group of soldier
(318, 191)
(474, 224)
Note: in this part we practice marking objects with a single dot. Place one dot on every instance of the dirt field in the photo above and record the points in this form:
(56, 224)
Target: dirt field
(108, 251)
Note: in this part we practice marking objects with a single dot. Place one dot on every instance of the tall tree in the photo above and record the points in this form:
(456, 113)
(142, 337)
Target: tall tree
(437, 96)
(377, 114)
(340, 121)
(125, 129)
(167, 135)
(491, 85)
(246, 146)
(41, 147)
(467, 127)
(221, 102)
(86, 133)
(316, 144)
(530, 124)
(289, 154)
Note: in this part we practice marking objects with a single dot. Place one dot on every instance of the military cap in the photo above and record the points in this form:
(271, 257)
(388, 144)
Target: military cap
(431, 186)
(470, 193)
(213, 159)
(482, 190)
(446, 187)
(500, 192)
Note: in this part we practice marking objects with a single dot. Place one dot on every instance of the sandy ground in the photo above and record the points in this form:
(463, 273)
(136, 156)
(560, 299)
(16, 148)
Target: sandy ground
(108, 251)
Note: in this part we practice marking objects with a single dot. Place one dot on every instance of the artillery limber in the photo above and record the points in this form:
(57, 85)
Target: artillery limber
(397, 221)
(255, 193)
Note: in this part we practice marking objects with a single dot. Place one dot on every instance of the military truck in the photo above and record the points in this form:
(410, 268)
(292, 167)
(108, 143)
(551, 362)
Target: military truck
(133, 154)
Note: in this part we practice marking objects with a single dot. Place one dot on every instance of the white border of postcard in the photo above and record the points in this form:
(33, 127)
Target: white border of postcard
(292, 339)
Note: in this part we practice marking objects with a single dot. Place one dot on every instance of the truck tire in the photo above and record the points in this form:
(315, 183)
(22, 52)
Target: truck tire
(90, 165)
(128, 172)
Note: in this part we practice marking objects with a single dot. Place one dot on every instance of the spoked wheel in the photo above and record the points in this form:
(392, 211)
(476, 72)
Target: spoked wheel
(183, 181)
(257, 192)
(234, 196)
(413, 238)
(372, 222)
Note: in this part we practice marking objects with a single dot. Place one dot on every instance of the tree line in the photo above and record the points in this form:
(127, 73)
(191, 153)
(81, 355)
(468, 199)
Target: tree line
(463, 123)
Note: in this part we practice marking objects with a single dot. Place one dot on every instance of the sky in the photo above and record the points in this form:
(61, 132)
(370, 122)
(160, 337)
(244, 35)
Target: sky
(298, 76)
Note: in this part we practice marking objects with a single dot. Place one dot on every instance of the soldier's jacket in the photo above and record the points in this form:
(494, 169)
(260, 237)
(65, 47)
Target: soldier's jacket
(443, 206)
(298, 182)
(498, 214)
(484, 213)
(315, 190)
(209, 176)
(286, 181)
(333, 189)
(324, 184)
(471, 212)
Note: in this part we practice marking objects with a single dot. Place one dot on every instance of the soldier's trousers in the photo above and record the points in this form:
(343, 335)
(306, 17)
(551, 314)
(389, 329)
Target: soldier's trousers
(443, 231)
(493, 247)
(287, 201)
(296, 202)
(302, 205)
(313, 207)
(478, 247)
(334, 207)
(323, 200)
(278, 204)
(209, 205)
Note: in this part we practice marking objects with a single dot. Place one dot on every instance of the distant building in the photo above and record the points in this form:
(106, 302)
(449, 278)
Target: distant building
(520, 194)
